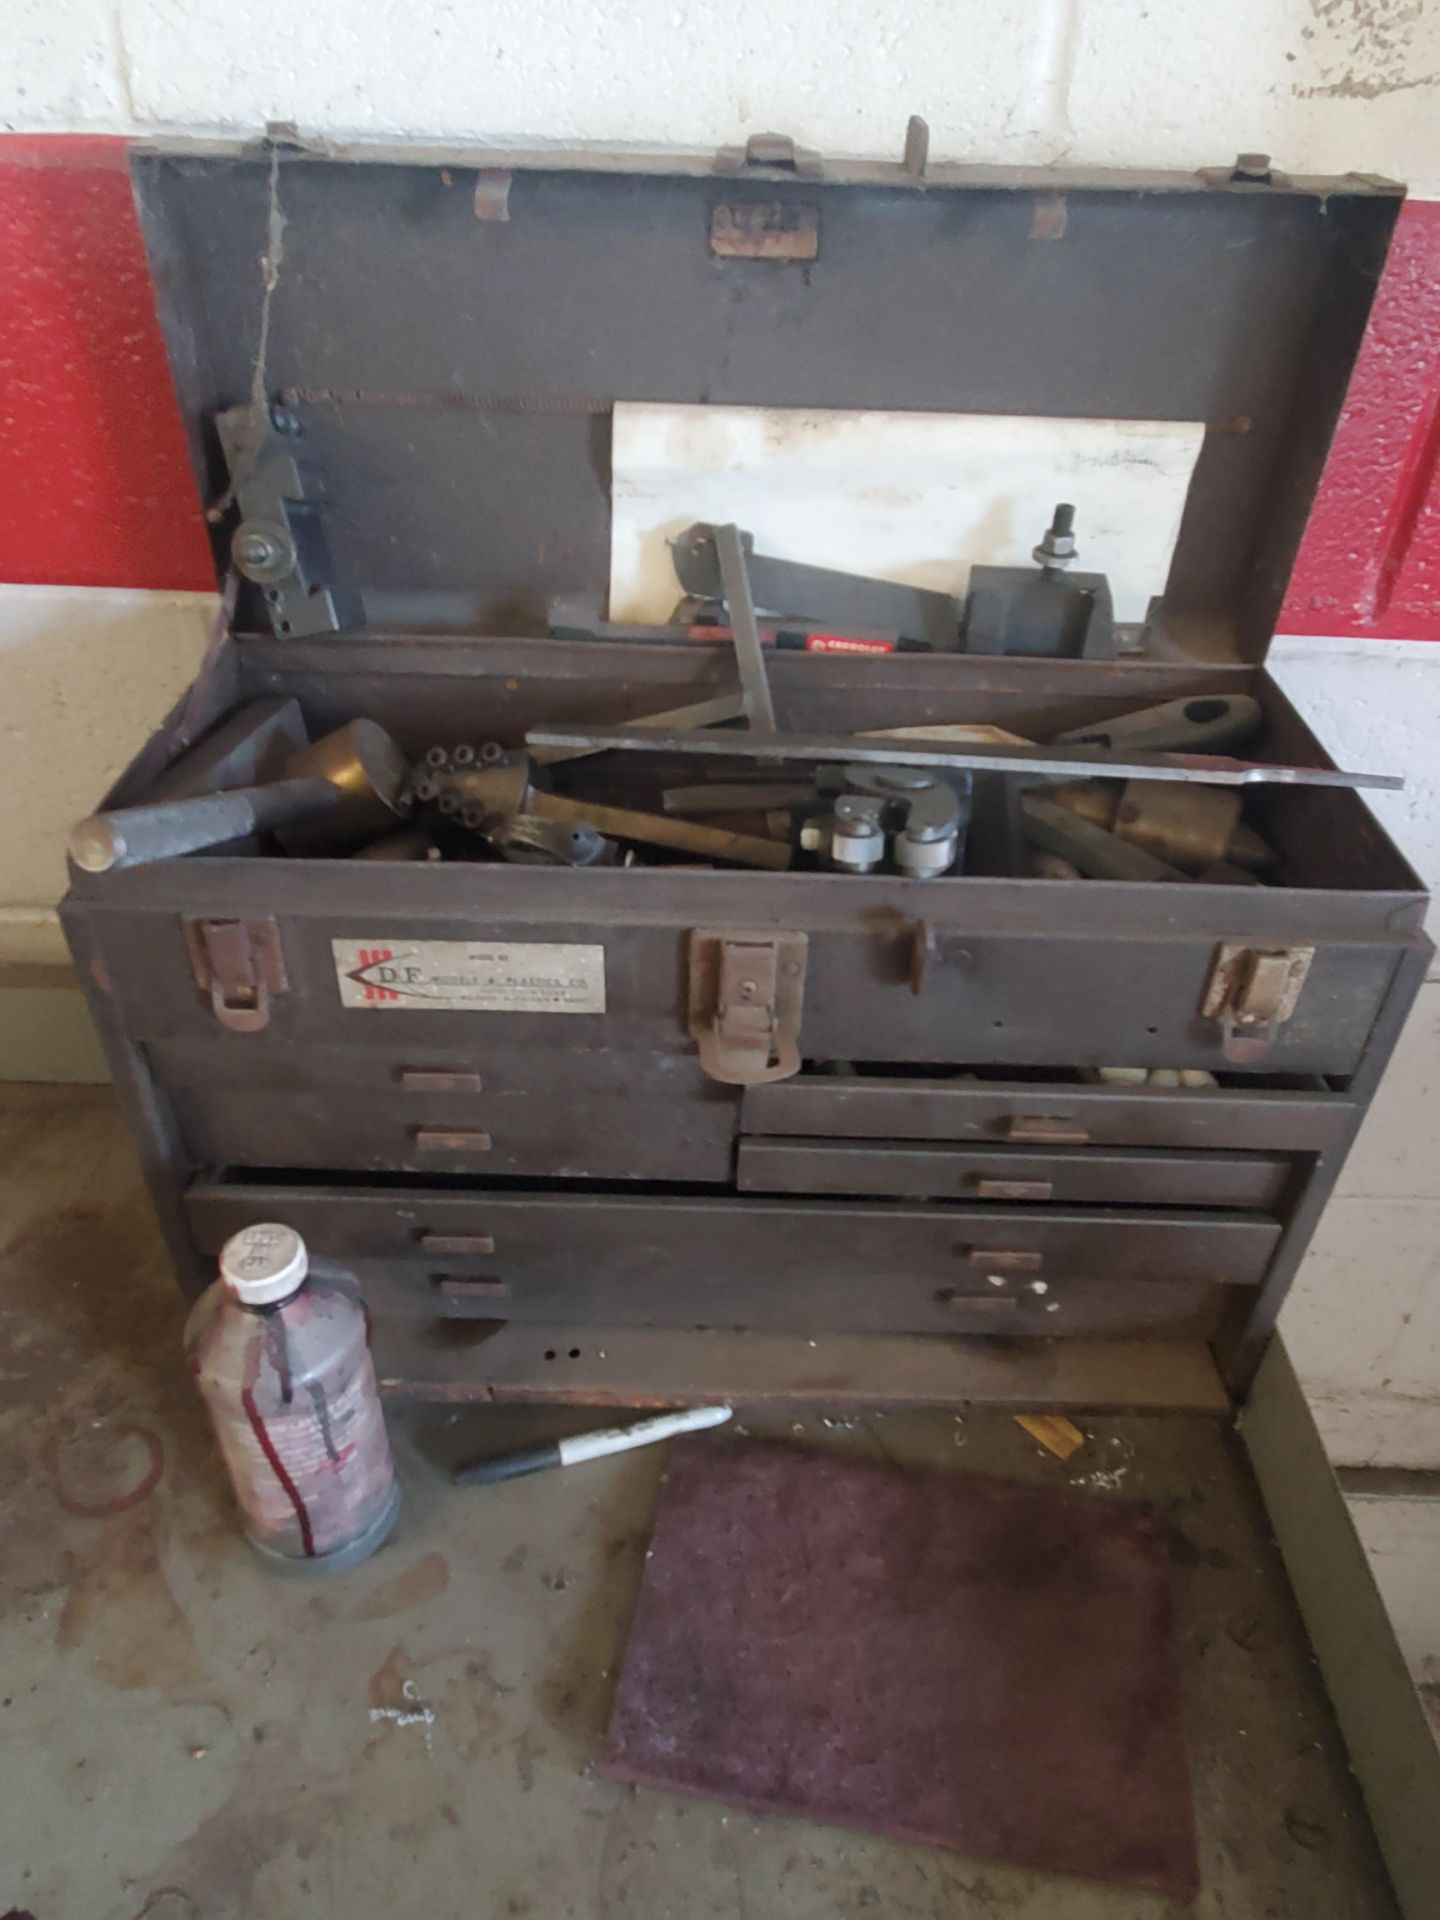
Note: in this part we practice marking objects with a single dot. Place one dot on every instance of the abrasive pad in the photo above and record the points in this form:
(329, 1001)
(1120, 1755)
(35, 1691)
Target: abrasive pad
(944, 1658)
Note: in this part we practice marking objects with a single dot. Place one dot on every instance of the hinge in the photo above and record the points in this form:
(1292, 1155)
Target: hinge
(747, 991)
(1252, 991)
(241, 966)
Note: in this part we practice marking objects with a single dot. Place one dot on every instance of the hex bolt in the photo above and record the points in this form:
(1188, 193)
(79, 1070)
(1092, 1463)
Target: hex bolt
(255, 549)
(1057, 547)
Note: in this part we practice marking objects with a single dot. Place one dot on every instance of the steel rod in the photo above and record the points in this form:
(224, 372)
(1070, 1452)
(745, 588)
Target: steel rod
(1058, 763)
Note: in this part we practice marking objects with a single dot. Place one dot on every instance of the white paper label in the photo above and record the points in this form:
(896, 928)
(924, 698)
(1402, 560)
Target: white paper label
(472, 976)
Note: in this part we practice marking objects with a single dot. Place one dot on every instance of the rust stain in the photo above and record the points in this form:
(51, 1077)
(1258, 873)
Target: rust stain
(214, 1870)
(169, 1903)
(751, 230)
(1049, 216)
(484, 1736)
(107, 1469)
(387, 1683)
(475, 1692)
(428, 1578)
(120, 1610)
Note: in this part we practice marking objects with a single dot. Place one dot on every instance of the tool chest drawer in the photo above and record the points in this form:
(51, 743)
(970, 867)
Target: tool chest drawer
(1034, 1115)
(415, 1066)
(574, 1135)
(946, 1172)
(663, 1239)
(810, 1299)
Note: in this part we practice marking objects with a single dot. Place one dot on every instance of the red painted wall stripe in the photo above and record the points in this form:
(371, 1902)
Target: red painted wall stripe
(1369, 565)
(98, 489)
(94, 474)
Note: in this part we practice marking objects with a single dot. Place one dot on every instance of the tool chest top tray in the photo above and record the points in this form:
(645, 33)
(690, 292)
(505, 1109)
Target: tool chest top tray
(447, 334)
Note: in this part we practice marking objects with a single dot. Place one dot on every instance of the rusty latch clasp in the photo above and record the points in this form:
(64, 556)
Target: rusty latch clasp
(747, 991)
(1252, 991)
(240, 965)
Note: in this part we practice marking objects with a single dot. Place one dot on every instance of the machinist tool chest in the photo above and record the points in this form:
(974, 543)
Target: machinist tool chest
(590, 1177)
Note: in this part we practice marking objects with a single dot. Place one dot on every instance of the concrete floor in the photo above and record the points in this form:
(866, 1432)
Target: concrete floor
(187, 1737)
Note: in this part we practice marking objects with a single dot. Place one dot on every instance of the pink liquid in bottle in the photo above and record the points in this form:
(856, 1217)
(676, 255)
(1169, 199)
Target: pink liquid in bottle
(283, 1364)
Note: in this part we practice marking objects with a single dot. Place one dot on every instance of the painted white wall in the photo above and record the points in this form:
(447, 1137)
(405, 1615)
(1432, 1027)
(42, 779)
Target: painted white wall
(85, 676)
(1323, 85)
(1363, 1318)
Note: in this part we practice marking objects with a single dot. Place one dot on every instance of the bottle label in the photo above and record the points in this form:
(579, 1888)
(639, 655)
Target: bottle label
(319, 1468)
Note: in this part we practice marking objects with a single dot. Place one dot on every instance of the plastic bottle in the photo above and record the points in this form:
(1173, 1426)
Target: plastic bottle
(283, 1364)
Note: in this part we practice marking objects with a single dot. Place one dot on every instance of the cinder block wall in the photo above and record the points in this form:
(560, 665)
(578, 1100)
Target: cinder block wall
(101, 623)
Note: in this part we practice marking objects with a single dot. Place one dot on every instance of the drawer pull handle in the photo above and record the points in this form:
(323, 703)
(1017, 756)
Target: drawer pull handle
(438, 1080)
(1050, 1132)
(1014, 1189)
(1005, 1259)
(447, 1140)
(986, 1303)
(458, 1242)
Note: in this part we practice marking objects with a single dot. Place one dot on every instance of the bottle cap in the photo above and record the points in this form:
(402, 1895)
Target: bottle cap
(264, 1263)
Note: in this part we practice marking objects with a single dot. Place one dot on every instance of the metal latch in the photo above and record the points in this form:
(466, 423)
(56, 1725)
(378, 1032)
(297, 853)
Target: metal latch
(240, 965)
(747, 991)
(1252, 991)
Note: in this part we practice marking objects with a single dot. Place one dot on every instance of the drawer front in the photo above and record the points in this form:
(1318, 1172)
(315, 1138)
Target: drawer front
(793, 1247)
(1036, 1115)
(560, 1136)
(904, 1303)
(370, 1065)
(1077, 1175)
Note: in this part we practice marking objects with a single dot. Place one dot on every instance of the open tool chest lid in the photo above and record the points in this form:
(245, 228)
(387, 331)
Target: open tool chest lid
(447, 332)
